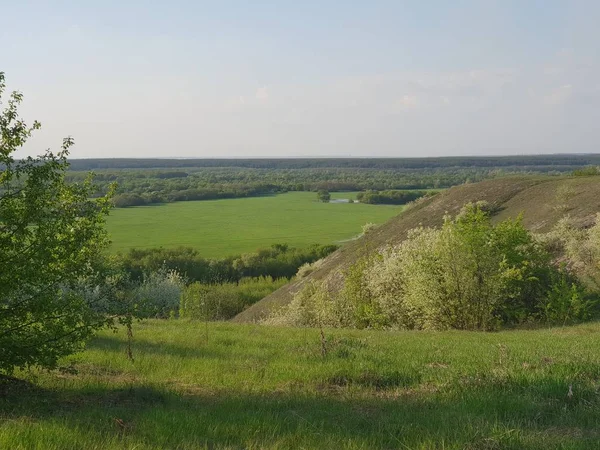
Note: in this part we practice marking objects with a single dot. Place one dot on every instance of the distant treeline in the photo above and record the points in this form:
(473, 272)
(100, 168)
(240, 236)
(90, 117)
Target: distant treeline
(137, 187)
(147, 181)
(557, 160)
(278, 261)
(137, 196)
(390, 197)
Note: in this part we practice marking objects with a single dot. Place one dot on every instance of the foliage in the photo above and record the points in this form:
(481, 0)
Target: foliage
(467, 275)
(113, 292)
(159, 294)
(530, 162)
(323, 196)
(307, 268)
(147, 181)
(138, 263)
(587, 171)
(391, 197)
(566, 302)
(369, 227)
(312, 306)
(224, 301)
(50, 236)
(278, 261)
(578, 248)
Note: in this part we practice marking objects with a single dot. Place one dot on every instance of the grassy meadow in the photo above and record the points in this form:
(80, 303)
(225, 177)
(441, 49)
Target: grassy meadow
(222, 385)
(219, 228)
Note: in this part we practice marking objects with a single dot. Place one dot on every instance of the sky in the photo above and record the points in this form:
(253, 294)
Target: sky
(144, 78)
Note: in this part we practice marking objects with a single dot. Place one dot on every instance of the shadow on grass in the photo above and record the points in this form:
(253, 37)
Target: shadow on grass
(478, 414)
(140, 347)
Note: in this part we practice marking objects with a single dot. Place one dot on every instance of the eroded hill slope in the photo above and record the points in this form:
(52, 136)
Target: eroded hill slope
(541, 200)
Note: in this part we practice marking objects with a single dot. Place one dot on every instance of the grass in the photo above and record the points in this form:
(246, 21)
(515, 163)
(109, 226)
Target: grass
(251, 386)
(221, 228)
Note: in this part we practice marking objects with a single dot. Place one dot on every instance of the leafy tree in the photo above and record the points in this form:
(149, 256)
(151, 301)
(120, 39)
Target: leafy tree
(390, 197)
(50, 235)
(323, 196)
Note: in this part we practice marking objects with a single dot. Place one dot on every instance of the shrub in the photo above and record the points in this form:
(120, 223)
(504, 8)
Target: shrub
(566, 302)
(224, 301)
(278, 261)
(307, 268)
(578, 249)
(127, 200)
(323, 196)
(587, 171)
(467, 275)
(390, 197)
(313, 306)
(159, 294)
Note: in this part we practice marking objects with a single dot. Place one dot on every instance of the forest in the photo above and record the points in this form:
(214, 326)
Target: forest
(143, 182)
(558, 161)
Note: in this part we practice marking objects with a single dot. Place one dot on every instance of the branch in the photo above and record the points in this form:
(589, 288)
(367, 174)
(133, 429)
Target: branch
(25, 325)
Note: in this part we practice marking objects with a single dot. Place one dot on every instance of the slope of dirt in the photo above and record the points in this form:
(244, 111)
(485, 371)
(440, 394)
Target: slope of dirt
(541, 200)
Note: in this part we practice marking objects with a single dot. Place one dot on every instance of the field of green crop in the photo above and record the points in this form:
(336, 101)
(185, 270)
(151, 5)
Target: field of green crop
(219, 228)
(249, 386)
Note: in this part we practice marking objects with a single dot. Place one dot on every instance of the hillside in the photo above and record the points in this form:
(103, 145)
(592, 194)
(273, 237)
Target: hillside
(541, 200)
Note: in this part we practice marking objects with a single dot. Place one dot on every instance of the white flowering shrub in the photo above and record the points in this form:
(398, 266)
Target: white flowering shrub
(314, 306)
(368, 227)
(159, 294)
(403, 272)
(307, 268)
(467, 275)
(577, 248)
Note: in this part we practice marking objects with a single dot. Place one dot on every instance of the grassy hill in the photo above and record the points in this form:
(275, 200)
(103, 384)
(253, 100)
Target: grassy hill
(541, 200)
(220, 228)
(237, 386)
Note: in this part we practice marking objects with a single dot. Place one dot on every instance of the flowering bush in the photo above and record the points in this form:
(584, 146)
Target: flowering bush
(468, 274)
(159, 294)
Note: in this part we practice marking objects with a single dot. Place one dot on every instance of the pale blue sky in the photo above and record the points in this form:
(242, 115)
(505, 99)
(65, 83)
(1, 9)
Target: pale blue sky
(327, 78)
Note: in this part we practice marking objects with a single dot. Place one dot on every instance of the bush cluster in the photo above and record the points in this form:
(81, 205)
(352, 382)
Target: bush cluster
(277, 261)
(391, 197)
(468, 274)
(226, 300)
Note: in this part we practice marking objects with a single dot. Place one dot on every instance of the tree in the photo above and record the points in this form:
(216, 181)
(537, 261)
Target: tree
(51, 234)
(323, 196)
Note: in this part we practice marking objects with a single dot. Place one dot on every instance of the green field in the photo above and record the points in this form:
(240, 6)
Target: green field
(251, 386)
(219, 228)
